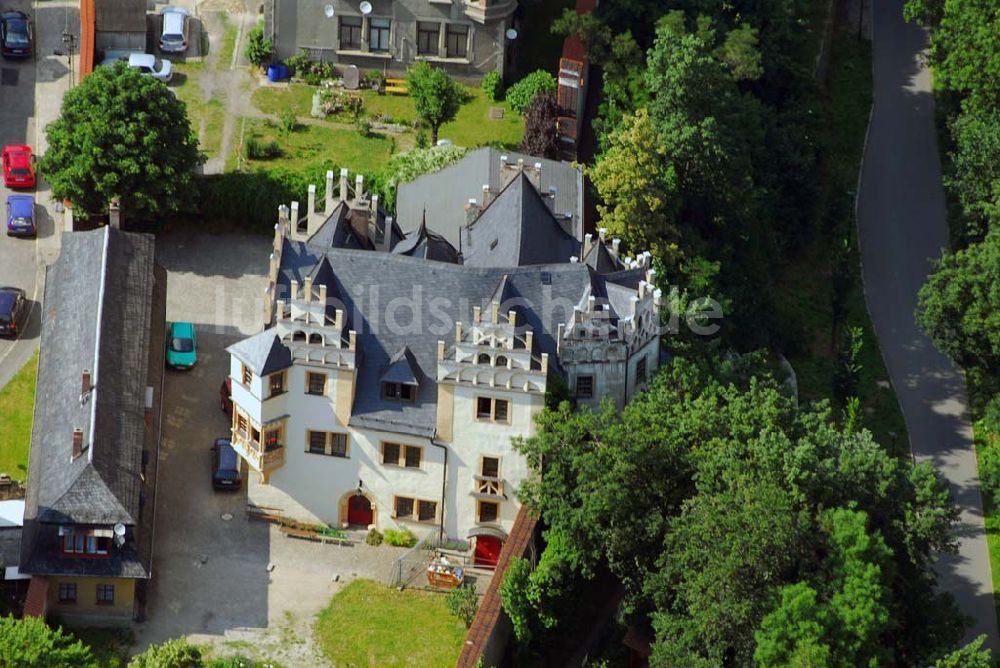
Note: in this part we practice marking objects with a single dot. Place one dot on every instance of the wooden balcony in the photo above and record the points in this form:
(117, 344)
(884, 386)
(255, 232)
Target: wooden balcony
(488, 488)
(262, 459)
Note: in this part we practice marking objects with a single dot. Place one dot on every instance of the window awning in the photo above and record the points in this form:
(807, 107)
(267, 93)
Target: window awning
(495, 532)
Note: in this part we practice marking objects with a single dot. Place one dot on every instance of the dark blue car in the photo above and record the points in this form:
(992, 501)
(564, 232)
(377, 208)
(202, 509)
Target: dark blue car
(21, 215)
(13, 311)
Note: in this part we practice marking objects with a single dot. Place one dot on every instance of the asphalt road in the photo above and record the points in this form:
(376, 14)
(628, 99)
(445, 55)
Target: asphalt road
(902, 227)
(18, 257)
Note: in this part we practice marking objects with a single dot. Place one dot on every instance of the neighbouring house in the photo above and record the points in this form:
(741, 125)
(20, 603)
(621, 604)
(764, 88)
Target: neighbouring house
(571, 96)
(482, 173)
(110, 25)
(466, 37)
(88, 520)
(385, 387)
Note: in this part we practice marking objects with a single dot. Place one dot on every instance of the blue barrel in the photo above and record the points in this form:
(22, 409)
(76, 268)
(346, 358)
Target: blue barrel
(273, 72)
(282, 71)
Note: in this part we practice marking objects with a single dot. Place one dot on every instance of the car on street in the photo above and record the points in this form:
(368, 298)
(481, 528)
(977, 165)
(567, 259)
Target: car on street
(149, 64)
(18, 166)
(225, 466)
(182, 346)
(13, 311)
(21, 216)
(15, 34)
(226, 397)
(174, 36)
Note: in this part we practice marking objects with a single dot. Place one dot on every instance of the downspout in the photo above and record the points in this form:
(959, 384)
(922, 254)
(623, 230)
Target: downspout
(444, 486)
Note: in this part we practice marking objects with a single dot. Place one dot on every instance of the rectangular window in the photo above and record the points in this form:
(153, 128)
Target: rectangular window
(491, 467)
(338, 445)
(490, 409)
(488, 511)
(350, 32)
(317, 442)
(404, 507)
(584, 387)
(400, 391)
(67, 592)
(105, 594)
(640, 370)
(412, 456)
(277, 383)
(272, 437)
(241, 423)
(378, 35)
(457, 41)
(315, 383)
(426, 511)
(247, 375)
(427, 38)
(390, 454)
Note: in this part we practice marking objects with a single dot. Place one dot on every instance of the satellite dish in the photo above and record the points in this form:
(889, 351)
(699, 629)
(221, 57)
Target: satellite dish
(328, 11)
(511, 33)
(119, 534)
(365, 7)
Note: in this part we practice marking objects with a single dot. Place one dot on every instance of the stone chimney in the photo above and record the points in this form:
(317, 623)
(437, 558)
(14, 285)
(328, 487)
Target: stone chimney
(588, 241)
(386, 244)
(115, 213)
(85, 384)
(534, 174)
(359, 188)
(328, 198)
(471, 211)
(294, 217)
(77, 442)
(312, 220)
(486, 194)
(615, 244)
(343, 184)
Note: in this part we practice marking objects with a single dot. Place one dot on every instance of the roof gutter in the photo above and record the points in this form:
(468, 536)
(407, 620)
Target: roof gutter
(444, 486)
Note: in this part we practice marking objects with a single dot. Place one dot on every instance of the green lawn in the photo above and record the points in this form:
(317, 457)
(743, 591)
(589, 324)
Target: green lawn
(207, 117)
(369, 624)
(804, 282)
(310, 144)
(17, 401)
(228, 43)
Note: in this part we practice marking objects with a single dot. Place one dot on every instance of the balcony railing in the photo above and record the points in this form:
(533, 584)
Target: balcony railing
(487, 486)
(261, 458)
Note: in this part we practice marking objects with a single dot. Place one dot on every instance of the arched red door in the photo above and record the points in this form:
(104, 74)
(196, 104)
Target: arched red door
(359, 510)
(488, 551)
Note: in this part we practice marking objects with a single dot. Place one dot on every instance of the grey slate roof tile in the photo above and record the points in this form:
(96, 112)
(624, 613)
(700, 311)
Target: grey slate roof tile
(264, 352)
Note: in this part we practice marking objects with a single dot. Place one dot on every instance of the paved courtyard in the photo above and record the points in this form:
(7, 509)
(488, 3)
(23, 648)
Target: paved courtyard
(210, 564)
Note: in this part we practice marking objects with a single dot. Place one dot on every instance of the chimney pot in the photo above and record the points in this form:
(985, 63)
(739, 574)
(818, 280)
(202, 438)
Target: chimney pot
(328, 195)
(477, 313)
(486, 194)
(85, 385)
(615, 243)
(573, 258)
(458, 333)
(602, 233)
(312, 199)
(359, 187)
(77, 442)
(115, 213)
(343, 184)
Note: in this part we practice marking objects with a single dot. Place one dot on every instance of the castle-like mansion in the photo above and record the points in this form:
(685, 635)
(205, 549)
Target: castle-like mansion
(394, 369)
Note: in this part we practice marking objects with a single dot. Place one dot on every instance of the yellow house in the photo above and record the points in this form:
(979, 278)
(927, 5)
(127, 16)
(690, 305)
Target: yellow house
(87, 538)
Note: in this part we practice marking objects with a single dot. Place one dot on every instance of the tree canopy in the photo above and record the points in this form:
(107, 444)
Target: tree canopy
(436, 96)
(31, 643)
(122, 135)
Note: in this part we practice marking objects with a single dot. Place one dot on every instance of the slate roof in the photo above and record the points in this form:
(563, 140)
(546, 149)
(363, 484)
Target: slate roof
(437, 295)
(448, 190)
(517, 229)
(98, 314)
(120, 15)
(600, 259)
(347, 228)
(264, 352)
(428, 245)
(403, 368)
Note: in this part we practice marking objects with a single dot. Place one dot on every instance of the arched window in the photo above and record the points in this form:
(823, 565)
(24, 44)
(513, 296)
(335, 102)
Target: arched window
(299, 336)
(501, 361)
(483, 359)
(316, 339)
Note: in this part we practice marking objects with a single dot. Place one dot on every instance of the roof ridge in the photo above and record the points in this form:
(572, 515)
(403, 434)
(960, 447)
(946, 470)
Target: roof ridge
(95, 373)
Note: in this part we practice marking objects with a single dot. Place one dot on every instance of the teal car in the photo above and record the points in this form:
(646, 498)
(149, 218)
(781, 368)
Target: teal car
(182, 346)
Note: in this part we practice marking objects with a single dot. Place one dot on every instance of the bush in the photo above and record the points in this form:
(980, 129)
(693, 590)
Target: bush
(364, 126)
(315, 73)
(355, 104)
(541, 136)
(373, 79)
(287, 120)
(258, 50)
(331, 532)
(520, 95)
(32, 642)
(176, 653)
(463, 602)
(256, 148)
(492, 85)
(423, 141)
(374, 537)
(988, 432)
(400, 537)
(298, 63)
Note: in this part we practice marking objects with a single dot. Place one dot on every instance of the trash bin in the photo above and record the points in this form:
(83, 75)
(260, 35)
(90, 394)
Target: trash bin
(277, 72)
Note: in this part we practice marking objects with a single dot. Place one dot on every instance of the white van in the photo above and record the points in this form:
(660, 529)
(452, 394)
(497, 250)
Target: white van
(174, 36)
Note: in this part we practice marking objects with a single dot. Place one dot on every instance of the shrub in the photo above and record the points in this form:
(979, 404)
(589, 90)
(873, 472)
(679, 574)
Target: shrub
(251, 199)
(331, 532)
(287, 120)
(374, 537)
(463, 602)
(32, 642)
(400, 537)
(492, 85)
(422, 139)
(354, 104)
(520, 95)
(541, 136)
(364, 125)
(298, 63)
(256, 148)
(373, 78)
(258, 50)
(176, 653)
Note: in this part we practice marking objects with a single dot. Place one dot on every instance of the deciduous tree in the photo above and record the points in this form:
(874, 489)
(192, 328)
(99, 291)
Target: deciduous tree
(436, 96)
(31, 643)
(540, 132)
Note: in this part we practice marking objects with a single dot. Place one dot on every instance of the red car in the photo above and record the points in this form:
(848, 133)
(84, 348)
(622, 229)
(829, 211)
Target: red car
(18, 166)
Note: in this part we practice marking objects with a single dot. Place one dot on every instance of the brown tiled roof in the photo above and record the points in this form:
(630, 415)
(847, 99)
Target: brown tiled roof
(490, 609)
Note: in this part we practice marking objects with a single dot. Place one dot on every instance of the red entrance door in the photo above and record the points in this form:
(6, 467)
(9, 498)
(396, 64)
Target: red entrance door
(488, 551)
(359, 510)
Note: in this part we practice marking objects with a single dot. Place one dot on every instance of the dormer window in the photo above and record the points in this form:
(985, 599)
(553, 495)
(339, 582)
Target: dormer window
(401, 391)
(93, 542)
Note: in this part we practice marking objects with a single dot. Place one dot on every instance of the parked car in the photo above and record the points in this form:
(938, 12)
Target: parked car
(182, 346)
(225, 465)
(18, 166)
(15, 34)
(21, 216)
(13, 311)
(226, 397)
(174, 36)
(149, 64)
